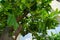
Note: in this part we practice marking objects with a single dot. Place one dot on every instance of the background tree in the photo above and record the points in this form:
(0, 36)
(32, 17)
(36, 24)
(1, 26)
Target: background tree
(34, 16)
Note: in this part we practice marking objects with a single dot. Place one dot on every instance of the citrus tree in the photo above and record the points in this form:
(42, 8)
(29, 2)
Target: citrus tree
(24, 16)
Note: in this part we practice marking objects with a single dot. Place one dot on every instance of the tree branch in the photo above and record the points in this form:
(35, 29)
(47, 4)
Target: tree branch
(26, 11)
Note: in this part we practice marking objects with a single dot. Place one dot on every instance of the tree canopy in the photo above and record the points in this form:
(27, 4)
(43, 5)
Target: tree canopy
(35, 16)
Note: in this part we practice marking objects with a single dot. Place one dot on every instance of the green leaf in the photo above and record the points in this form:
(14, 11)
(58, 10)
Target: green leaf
(1, 7)
(12, 21)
